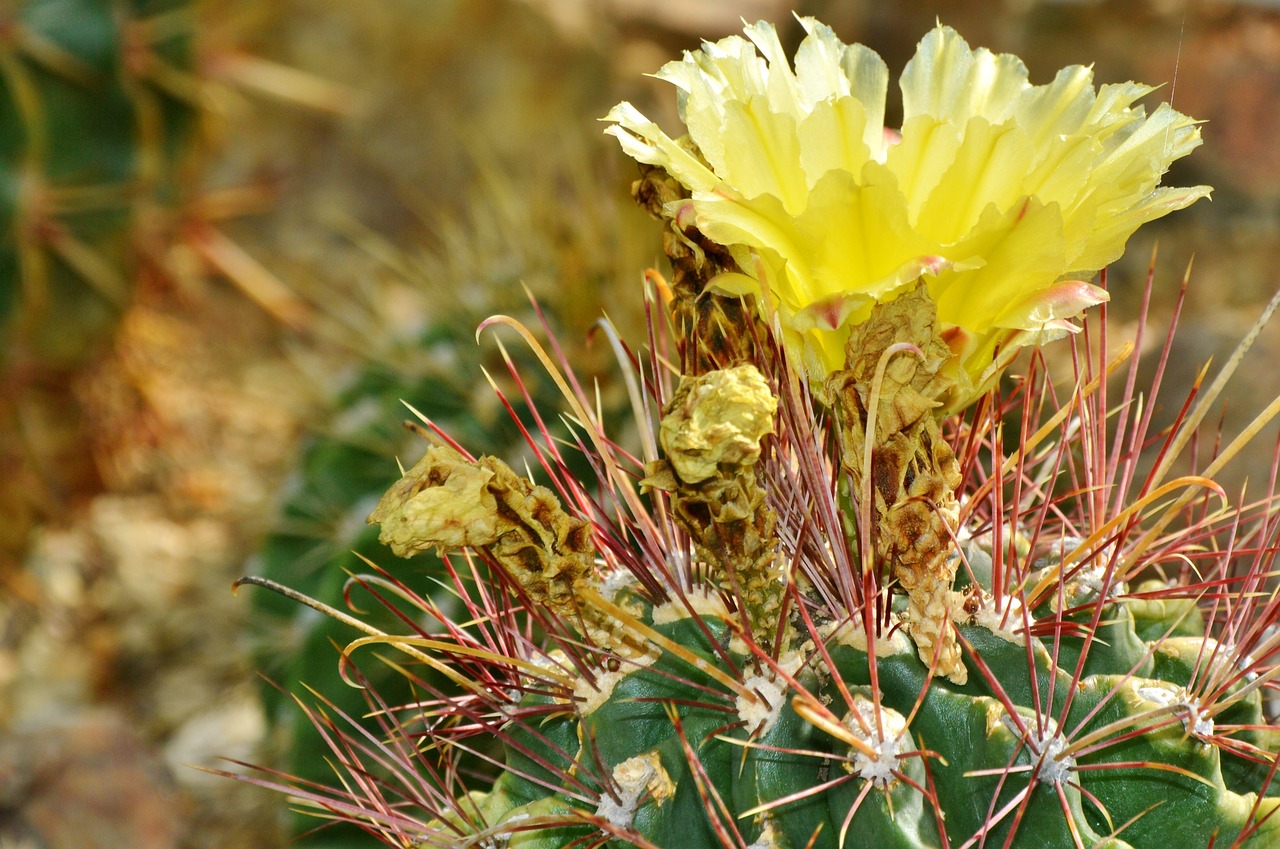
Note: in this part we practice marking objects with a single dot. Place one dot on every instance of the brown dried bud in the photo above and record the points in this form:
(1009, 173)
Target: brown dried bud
(443, 502)
(716, 422)
(711, 434)
(913, 471)
(449, 502)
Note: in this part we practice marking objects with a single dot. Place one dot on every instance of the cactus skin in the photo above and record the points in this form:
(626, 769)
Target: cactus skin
(96, 113)
(667, 747)
(1099, 717)
(1055, 738)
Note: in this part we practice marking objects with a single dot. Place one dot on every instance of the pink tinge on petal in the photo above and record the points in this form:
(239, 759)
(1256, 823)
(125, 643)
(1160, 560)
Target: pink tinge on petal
(833, 311)
(1064, 325)
(1026, 202)
(828, 313)
(686, 214)
(933, 264)
(1048, 307)
(958, 339)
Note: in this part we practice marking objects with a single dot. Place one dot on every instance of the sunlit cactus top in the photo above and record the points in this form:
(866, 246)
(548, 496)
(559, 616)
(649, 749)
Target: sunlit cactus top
(1006, 196)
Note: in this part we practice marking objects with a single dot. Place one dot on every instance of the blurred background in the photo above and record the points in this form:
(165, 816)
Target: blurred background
(237, 233)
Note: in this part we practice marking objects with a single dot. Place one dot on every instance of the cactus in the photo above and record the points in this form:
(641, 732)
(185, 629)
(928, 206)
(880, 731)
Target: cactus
(97, 109)
(104, 114)
(859, 586)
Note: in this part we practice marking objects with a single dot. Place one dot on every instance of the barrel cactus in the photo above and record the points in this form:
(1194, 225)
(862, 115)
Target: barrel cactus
(864, 582)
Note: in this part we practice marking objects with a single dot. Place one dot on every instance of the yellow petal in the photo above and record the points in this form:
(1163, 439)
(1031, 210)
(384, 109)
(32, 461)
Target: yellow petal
(1010, 194)
(765, 156)
(875, 238)
(644, 141)
(1022, 254)
(985, 170)
(948, 81)
(829, 70)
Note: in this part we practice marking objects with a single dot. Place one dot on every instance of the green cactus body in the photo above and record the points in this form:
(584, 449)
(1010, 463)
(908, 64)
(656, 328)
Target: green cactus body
(96, 107)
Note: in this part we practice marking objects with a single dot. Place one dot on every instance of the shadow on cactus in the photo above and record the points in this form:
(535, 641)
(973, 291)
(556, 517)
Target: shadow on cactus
(860, 585)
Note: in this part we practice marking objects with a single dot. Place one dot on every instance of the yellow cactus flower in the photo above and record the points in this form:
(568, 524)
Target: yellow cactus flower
(1006, 197)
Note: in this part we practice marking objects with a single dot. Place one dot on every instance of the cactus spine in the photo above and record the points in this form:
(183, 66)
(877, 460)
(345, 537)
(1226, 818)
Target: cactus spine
(524, 232)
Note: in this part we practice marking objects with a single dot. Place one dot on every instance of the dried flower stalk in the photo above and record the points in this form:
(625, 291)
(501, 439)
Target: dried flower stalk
(712, 434)
(886, 399)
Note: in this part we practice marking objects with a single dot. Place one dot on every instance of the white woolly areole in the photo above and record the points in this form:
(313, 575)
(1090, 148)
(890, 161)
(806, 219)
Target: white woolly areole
(704, 601)
(886, 741)
(1194, 720)
(1048, 749)
(1246, 662)
(588, 696)
(852, 634)
(1003, 620)
(768, 838)
(759, 710)
(555, 662)
(615, 581)
(632, 779)
(1055, 765)
(1090, 583)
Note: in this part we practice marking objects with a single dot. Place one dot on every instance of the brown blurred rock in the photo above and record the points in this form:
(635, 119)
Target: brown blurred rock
(1230, 77)
(88, 782)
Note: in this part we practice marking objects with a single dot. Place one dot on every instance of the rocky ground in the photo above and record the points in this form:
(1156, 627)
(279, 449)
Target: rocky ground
(124, 660)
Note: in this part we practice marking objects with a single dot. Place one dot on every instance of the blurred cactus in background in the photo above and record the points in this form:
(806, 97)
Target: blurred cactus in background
(100, 105)
(97, 114)
(105, 140)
